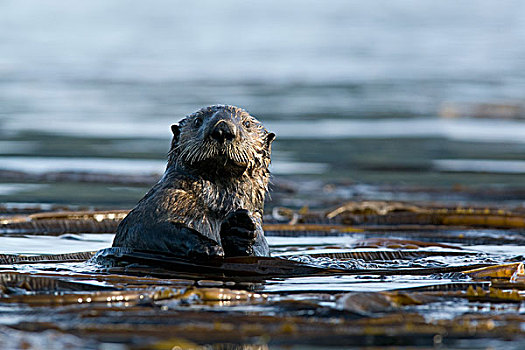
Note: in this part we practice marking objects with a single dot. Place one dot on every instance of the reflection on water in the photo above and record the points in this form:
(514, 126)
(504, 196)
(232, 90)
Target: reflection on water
(464, 130)
(481, 166)
(116, 166)
(55, 245)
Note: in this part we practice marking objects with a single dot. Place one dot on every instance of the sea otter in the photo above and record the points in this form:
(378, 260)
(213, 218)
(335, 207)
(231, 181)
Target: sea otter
(209, 202)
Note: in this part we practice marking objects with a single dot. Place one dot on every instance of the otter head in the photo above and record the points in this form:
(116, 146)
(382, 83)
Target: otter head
(221, 141)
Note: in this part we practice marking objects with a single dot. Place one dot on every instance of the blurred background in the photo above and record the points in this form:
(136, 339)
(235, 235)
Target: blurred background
(409, 93)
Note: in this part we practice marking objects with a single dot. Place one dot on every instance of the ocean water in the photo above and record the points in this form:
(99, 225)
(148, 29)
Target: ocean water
(353, 90)
(357, 93)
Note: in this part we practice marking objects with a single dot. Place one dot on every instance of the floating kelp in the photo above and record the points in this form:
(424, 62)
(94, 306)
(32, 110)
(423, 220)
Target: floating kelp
(62, 298)
(15, 283)
(353, 217)
(6, 259)
(255, 267)
(494, 295)
(483, 110)
(56, 223)
(398, 213)
(505, 271)
(380, 273)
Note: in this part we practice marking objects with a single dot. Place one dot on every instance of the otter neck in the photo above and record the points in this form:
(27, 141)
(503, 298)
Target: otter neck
(226, 193)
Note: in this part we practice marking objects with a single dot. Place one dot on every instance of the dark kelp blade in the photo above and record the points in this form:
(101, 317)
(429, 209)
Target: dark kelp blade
(266, 267)
(56, 223)
(7, 259)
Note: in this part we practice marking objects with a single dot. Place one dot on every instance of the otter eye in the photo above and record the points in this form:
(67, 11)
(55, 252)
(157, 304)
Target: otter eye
(247, 124)
(197, 122)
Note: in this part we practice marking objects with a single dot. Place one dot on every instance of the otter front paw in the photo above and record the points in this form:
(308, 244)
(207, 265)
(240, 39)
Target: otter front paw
(238, 233)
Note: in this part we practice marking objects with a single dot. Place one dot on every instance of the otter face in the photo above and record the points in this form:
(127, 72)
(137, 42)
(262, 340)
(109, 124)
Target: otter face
(223, 140)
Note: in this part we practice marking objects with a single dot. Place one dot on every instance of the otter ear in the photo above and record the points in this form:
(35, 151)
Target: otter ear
(175, 129)
(269, 138)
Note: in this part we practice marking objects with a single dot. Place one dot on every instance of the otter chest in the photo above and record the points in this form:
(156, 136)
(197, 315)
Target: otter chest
(222, 200)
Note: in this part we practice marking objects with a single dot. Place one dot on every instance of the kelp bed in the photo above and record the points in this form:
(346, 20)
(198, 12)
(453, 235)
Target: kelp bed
(361, 274)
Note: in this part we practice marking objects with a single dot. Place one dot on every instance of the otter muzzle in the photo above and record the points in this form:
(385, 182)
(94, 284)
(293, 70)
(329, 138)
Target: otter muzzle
(223, 131)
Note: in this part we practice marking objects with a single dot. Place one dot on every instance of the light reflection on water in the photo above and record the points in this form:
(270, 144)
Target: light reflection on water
(465, 130)
(55, 245)
(41, 165)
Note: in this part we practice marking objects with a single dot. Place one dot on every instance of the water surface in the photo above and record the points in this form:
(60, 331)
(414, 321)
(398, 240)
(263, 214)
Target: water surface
(353, 90)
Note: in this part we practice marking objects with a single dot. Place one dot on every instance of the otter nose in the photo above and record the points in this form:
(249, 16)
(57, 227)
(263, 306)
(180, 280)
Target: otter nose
(223, 131)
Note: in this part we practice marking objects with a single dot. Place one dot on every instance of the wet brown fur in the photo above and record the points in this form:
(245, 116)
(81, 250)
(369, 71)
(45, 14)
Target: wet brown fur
(205, 183)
